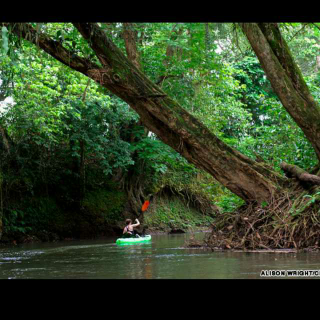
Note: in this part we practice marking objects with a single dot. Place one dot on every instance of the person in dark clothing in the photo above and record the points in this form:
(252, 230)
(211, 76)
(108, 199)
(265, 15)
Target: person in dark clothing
(128, 231)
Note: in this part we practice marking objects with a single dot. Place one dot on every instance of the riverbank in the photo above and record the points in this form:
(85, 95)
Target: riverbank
(102, 214)
(51, 237)
(173, 215)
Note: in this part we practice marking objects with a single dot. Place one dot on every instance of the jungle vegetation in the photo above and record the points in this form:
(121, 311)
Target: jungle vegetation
(226, 115)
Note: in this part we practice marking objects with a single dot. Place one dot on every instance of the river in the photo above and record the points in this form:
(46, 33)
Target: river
(163, 258)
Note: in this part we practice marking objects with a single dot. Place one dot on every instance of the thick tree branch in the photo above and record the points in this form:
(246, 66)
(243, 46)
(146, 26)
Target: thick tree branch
(167, 119)
(120, 75)
(175, 126)
(300, 174)
(52, 47)
(130, 40)
(281, 50)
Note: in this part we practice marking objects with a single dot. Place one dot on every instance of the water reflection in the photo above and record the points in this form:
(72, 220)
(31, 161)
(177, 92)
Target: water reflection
(163, 258)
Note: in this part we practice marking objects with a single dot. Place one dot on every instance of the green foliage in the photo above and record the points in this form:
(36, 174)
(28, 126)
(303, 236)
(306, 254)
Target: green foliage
(158, 156)
(49, 120)
(63, 128)
(90, 123)
(165, 168)
(31, 215)
(255, 90)
(15, 222)
(303, 40)
(302, 203)
(278, 139)
(108, 205)
(5, 46)
(174, 214)
(271, 134)
(228, 201)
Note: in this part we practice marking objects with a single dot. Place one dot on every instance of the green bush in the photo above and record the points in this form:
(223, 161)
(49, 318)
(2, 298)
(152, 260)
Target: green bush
(31, 214)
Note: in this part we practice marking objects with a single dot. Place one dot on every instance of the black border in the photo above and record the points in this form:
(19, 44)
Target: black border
(134, 11)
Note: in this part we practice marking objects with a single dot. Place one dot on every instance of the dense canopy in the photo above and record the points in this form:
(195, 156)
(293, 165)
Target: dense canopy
(226, 115)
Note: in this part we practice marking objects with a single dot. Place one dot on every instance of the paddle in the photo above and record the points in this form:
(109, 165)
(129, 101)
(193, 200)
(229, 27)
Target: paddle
(144, 208)
(145, 205)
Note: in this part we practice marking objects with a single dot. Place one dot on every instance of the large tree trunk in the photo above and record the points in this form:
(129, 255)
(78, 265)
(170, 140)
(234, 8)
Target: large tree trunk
(285, 77)
(134, 184)
(176, 127)
(248, 179)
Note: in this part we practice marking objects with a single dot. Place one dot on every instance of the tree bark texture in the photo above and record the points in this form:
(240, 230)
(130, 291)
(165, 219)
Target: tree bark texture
(130, 40)
(300, 174)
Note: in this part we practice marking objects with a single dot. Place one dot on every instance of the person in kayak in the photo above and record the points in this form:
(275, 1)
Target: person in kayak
(128, 231)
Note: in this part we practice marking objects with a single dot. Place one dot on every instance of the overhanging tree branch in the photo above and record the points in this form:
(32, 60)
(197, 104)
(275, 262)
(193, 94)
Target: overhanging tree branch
(52, 47)
(248, 179)
(175, 126)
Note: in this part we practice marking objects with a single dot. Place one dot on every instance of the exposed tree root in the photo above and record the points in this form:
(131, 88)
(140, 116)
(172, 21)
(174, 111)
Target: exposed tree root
(290, 221)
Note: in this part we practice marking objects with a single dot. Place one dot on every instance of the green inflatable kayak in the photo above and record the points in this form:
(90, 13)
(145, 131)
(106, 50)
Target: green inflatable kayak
(133, 240)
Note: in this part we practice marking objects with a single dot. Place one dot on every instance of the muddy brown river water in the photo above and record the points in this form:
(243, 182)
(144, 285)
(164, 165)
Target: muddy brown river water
(163, 258)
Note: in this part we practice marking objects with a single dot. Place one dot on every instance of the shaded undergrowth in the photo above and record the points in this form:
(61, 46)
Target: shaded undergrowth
(170, 213)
